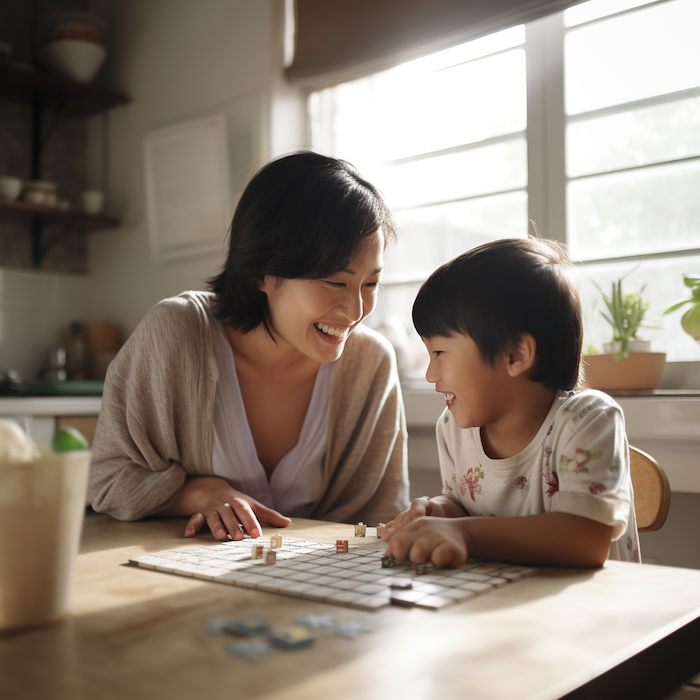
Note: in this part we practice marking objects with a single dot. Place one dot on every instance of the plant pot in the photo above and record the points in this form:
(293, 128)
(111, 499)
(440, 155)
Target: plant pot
(640, 370)
(632, 346)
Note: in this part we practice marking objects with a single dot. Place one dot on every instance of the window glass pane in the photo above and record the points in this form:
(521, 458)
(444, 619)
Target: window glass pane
(467, 173)
(664, 287)
(430, 236)
(638, 137)
(648, 52)
(595, 9)
(645, 211)
(392, 317)
(398, 114)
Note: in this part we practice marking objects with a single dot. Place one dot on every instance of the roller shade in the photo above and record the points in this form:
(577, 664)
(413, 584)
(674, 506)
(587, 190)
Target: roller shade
(338, 39)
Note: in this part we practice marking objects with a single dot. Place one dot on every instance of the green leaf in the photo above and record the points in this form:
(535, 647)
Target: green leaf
(677, 306)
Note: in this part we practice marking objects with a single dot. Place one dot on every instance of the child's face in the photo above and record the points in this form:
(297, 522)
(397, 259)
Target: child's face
(475, 390)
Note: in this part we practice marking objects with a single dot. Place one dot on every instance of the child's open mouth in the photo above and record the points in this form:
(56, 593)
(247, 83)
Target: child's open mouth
(449, 398)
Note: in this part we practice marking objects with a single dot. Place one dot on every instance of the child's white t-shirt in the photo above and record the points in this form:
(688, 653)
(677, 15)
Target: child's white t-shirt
(578, 463)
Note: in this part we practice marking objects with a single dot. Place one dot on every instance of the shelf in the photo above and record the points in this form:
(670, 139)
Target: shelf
(78, 218)
(49, 91)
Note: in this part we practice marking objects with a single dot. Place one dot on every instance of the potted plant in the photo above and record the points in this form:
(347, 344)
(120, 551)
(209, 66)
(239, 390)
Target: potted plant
(691, 318)
(626, 316)
(627, 362)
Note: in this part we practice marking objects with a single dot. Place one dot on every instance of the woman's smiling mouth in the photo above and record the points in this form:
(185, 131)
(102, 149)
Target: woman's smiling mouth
(335, 332)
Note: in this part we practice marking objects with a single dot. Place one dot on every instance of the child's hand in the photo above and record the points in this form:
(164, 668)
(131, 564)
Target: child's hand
(443, 541)
(419, 507)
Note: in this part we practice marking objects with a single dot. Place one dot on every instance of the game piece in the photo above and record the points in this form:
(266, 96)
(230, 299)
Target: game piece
(341, 545)
(382, 529)
(315, 621)
(360, 530)
(292, 638)
(270, 556)
(352, 630)
(424, 568)
(246, 626)
(275, 541)
(401, 583)
(256, 551)
(420, 568)
(250, 650)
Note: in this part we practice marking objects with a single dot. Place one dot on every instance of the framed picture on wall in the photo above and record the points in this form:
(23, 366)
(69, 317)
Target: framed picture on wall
(188, 187)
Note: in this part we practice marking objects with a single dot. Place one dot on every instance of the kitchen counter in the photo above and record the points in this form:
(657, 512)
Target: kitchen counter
(42, 415)
(50, 405)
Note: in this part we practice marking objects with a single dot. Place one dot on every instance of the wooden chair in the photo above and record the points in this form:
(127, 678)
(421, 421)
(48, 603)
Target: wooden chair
(652, 492)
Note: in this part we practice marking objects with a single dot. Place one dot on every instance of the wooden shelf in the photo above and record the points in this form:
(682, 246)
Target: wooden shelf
(44, 92)
(48, 91)
(78, 218)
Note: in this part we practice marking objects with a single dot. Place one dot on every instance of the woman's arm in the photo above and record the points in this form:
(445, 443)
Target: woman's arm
(210, 500)
(556, 539)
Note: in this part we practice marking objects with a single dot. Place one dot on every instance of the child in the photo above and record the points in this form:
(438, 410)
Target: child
(503, 327)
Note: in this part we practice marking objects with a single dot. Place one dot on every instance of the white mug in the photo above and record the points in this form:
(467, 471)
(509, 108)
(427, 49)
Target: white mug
(10, 187)
(93, 201)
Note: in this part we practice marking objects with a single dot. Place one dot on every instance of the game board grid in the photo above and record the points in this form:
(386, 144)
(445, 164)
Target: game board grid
(315, 571)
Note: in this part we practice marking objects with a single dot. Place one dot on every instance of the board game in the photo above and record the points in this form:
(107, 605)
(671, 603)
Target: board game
(324, 572)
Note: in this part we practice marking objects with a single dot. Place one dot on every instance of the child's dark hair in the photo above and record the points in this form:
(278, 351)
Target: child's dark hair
(500, 290)
(303, 215)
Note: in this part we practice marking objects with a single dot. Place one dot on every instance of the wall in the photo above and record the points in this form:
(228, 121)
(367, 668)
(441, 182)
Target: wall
(176, 60)
(34, 309)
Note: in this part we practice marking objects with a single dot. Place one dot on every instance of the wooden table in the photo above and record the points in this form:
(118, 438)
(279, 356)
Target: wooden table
(621, 631)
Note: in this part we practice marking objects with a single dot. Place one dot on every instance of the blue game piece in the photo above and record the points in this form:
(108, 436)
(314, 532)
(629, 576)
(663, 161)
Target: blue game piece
(352, 630)
(250, 650)
(315, 621)
(246, 626)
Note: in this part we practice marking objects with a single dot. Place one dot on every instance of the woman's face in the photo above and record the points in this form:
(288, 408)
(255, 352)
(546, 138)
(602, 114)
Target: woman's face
(315, 317)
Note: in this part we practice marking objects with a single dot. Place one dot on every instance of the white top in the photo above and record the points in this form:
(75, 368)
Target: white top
(577, 463)
(297, 481)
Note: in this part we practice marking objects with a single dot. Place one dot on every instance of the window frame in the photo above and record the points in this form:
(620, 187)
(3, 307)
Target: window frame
(545, 134)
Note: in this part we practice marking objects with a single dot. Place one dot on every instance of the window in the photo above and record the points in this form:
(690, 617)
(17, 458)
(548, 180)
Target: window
(587, 122)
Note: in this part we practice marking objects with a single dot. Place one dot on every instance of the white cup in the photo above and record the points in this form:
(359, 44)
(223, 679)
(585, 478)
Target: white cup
(10, 187)
(42, 505)
(93, 201)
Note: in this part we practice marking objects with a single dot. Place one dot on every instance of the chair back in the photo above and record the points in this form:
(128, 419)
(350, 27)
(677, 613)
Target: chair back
(652, 492)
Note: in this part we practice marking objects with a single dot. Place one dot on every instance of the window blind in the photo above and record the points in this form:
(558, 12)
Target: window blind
(336, 40)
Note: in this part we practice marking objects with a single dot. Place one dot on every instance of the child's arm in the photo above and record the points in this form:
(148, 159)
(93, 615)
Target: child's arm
(441, 506)
(557, 539)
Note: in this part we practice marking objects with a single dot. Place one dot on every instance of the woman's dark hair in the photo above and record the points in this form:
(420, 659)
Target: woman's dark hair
(303, 215)
(500, 290)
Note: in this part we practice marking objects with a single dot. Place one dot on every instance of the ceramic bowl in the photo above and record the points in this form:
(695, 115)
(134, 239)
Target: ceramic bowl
(10, 187)
(40, 192)
(74, 58)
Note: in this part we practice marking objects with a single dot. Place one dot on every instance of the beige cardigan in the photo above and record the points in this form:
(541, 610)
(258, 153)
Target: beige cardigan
(155, 424)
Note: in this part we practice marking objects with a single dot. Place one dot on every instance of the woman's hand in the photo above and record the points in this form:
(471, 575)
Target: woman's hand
(443, 541)
(419, 507)
(224, 509)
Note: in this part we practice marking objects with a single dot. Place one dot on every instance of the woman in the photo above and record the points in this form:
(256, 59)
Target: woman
(264, 398)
